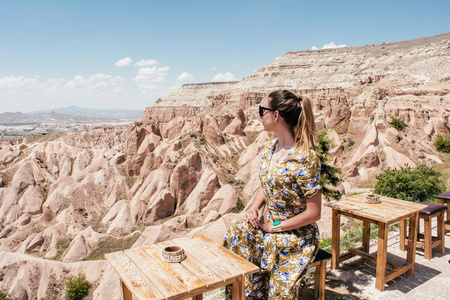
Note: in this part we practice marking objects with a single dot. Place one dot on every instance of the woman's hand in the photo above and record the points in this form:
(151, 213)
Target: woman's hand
(253, 216)
(265, 225)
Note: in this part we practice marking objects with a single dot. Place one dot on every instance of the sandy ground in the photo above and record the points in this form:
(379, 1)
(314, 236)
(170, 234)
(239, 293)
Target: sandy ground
(355, 278)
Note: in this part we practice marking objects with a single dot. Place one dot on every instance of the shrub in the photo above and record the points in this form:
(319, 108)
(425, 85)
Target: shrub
(442, 142)
(239, 207)
(397, 122)
(420, 184)
(4, 296)
(77, 287)
(328, 173)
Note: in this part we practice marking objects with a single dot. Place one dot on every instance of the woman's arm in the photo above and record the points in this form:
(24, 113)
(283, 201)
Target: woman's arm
(253, 215)
(310, 215)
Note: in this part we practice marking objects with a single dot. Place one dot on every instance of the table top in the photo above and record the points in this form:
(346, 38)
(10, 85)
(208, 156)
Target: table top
(389, 211)
(445, 196)
(206, 265)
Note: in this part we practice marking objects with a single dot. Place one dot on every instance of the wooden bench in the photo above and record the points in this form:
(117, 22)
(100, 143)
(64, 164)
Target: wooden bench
(429, 241)
(444, 199)
(320, 263)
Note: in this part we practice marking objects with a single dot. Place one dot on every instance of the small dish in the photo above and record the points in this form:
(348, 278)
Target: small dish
(373, 199)
(173, 254)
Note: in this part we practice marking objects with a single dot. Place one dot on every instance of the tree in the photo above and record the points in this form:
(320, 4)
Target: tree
(77, 287)
(420, 184)
(442, 142)
(397, 122)
(328, 173)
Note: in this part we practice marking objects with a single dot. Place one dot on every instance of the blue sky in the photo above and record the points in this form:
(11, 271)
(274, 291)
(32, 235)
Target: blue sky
(127, 54)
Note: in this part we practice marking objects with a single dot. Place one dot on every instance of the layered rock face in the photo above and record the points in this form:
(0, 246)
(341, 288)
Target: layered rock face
(356, 91)
(188, 100)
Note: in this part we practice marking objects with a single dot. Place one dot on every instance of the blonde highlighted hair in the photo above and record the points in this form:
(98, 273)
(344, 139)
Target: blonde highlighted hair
(298, 114)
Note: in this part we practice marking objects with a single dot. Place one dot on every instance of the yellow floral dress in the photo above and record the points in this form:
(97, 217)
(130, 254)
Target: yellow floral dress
(283, 257)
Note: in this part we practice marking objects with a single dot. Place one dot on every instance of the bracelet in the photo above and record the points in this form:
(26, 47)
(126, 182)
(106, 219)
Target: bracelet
(277, 226)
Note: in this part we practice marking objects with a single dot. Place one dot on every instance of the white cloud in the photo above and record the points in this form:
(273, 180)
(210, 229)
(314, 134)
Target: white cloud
(118, 90)
(213, 68)
(185, 77)
(147, 77)
(224, 77)
(17, 82)
(96, 80)
(123, 62)
(331, 45)
(143, 63)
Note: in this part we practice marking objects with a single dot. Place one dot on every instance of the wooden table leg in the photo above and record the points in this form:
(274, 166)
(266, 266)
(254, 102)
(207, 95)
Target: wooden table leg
(198, 297)
(412, 239)
(402, 235)
(238, 287)
(126, 294)
(447, 222)
(335, 239)
(440, 232)
(366, 236)
(427, 238)
(381, 256)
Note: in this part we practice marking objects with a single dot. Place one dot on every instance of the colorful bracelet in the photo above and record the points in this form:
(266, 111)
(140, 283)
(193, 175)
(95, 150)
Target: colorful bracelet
(277, 226)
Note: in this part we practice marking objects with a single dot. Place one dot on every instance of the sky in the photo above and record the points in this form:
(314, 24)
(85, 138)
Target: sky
(127, 54)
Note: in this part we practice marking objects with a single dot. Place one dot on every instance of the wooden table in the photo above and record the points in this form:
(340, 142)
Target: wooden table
(388, 212)
(144, 275)
(444, 199)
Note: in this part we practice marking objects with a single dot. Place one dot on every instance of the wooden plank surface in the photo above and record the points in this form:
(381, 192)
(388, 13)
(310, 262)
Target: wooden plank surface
(207, 259)
(133, 278)
(207, 266)
(196, 266)
(152, 267)
(388, 211)
(242, 265)
(190, 280)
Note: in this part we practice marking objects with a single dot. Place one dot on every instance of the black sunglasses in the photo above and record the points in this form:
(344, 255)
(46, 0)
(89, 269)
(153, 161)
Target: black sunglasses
(262, 109)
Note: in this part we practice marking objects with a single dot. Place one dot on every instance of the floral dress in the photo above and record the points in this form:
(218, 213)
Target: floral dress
(283, 257)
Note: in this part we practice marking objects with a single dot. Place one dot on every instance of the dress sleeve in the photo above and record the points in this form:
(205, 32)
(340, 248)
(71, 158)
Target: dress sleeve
(308, 175)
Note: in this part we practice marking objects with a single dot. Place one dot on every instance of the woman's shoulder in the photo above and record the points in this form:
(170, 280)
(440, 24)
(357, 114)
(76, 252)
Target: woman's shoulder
(300, 156)
(269, 144)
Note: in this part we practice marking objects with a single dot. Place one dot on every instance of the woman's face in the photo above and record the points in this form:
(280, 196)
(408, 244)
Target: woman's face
(268, 116)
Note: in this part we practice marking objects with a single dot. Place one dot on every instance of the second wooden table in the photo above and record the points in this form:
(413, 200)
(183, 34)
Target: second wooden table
(388, 212)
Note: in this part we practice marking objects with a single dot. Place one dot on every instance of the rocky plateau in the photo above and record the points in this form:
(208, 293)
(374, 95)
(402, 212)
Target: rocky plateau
(67, 199)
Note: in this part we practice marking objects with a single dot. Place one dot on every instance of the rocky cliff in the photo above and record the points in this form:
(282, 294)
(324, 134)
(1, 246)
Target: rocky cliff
(356, 92)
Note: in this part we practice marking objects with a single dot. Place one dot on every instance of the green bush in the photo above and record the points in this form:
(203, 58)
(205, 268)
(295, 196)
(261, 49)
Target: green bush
(4, 296)
(77, 287)
(328, 173)
(420, 184)
(442, 142)
(239, 207)
(397, 122)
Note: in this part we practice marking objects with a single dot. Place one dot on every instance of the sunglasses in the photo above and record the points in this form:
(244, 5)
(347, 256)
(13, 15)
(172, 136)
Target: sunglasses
(262, 109)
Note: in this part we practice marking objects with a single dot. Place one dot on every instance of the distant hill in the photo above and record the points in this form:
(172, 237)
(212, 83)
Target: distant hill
(19, 118)
(123, 114)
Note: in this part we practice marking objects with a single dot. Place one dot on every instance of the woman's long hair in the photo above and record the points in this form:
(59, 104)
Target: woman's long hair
(298, 113)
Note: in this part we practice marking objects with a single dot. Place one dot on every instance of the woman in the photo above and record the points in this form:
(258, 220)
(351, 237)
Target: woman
(283, 243)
